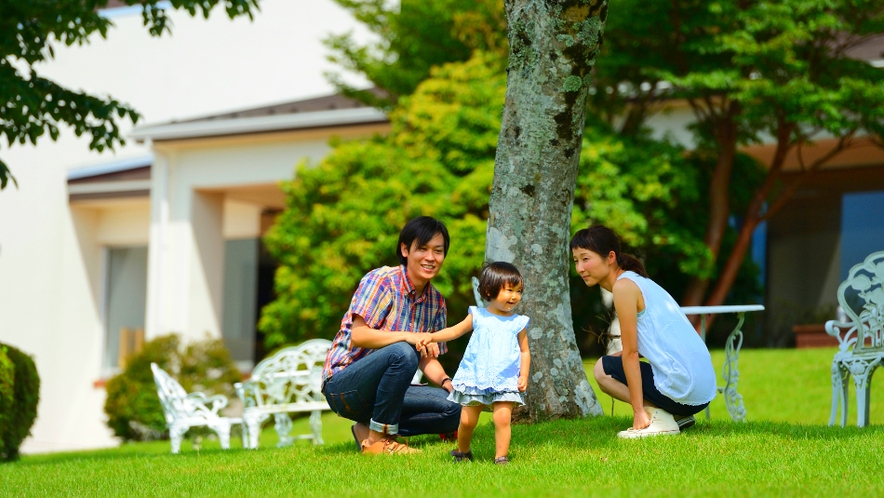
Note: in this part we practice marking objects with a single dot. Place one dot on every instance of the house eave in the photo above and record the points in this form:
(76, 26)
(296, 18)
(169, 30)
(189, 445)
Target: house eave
(111, 167)
(263, 124)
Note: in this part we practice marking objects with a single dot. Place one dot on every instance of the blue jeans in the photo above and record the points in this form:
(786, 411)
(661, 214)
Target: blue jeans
(376, 390)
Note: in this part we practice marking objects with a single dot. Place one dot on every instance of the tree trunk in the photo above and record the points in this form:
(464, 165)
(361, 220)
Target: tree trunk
(756, 213)
(753, 217)
(553, 46)
(719, 207)
(732, 265)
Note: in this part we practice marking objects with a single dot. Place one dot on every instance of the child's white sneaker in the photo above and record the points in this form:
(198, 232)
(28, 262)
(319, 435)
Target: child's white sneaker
(662, 424)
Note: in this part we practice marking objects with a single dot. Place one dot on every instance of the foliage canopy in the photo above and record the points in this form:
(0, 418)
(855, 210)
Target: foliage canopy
(787, 73)
(412, 38)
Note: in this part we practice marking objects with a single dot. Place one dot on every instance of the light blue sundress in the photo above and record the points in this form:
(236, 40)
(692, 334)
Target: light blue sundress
(489, 370)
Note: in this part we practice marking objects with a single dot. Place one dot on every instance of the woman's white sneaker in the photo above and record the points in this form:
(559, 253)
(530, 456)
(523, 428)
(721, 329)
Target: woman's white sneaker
(662, 424)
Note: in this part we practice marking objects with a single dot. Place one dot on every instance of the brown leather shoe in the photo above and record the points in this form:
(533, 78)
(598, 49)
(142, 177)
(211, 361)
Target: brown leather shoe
(387, 446)
(355, 430)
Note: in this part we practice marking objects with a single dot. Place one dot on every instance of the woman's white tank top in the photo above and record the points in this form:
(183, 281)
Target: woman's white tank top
(679, 359)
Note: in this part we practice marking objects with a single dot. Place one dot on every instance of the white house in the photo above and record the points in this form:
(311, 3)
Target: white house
(74, 251)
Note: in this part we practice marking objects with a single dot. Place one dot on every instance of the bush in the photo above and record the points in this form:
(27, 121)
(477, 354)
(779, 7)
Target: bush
(19, 395)
(133, 406)
(7, 379)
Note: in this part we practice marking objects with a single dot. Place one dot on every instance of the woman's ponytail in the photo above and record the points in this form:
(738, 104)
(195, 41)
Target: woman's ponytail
(630, 263)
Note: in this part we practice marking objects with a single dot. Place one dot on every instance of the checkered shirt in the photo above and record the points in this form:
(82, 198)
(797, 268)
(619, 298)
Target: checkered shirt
(386, 300)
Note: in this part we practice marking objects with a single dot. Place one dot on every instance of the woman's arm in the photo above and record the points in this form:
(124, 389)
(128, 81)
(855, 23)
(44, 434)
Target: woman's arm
(626, 298)
(363, 336)
(525, 360)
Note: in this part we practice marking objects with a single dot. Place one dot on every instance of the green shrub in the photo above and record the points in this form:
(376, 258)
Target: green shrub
(19, 395)
(133, 406)
(7, 379)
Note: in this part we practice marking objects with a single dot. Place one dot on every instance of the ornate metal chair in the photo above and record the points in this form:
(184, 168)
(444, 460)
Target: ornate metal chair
(861, 339)
(289, 381)
(183, 410)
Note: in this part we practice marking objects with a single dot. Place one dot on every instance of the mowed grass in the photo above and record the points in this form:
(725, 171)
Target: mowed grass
(785, 449)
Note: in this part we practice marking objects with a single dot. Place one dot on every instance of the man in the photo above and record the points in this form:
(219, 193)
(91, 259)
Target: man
(369, 368)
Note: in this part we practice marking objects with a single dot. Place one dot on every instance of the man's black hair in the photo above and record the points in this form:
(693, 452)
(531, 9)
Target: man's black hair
(421, 230)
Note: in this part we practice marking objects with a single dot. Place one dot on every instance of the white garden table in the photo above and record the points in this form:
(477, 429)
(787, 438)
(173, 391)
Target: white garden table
(730, 373)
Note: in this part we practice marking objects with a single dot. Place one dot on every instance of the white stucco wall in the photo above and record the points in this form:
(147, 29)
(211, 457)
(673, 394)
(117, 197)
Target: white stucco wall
(52, 254)
(187, 249)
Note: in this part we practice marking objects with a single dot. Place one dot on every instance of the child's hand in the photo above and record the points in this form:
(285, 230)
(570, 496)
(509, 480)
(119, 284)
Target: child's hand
(523, 383)
(422, 342)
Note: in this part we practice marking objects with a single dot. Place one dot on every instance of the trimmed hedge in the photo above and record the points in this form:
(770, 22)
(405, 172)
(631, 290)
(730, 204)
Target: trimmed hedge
(133, 407)
(19, 395)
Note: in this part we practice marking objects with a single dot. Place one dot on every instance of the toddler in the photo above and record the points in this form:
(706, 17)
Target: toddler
(494, 368)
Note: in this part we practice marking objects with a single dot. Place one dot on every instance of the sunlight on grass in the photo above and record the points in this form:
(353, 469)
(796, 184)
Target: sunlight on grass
(779, 385)
(784, 449)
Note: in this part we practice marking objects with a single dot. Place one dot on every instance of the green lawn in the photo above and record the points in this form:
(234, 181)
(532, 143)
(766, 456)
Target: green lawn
(784, 450)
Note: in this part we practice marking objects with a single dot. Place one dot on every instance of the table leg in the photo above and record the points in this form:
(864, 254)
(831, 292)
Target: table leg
(703, 336)
(732, 399)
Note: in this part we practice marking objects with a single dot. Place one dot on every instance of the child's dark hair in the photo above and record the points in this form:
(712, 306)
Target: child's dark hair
(421, 230)
(602, 240)
(495, 276)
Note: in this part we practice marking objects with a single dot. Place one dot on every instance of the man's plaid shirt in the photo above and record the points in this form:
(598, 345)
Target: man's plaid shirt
(386, 300)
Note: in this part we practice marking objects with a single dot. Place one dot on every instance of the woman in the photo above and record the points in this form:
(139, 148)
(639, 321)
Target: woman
(678, 379)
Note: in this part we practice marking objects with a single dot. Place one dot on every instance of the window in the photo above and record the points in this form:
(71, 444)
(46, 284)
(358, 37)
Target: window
(862, 228)
(240, 300)
(125, 303)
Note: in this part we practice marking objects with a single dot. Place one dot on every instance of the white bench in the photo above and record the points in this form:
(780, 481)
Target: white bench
(861, 338)
(289, 381)
(183, 410)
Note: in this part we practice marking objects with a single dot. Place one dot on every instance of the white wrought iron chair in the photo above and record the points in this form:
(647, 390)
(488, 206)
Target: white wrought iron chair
(183, 410)
(289, 381)
(861, 338)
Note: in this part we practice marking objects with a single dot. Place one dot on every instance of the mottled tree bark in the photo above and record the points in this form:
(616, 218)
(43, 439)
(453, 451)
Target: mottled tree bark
(553, 46)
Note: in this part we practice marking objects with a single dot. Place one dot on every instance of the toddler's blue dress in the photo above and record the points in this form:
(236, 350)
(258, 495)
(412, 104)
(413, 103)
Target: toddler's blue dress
(489, 370)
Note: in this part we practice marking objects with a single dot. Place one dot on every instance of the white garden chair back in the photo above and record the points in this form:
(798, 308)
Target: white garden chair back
(289, 381)
(183, 410)
(860, 338)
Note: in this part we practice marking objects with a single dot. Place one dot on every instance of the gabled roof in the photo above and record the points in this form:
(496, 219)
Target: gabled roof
(322, 112)
(332, 102)
(129, 178)
(871, 51)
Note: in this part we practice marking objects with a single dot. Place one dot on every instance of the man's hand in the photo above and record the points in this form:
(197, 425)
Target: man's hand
(428, 349)
(421, 341)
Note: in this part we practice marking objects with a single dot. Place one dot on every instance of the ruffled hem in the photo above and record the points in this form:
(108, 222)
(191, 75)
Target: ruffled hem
(465, 399)
(472, 389)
